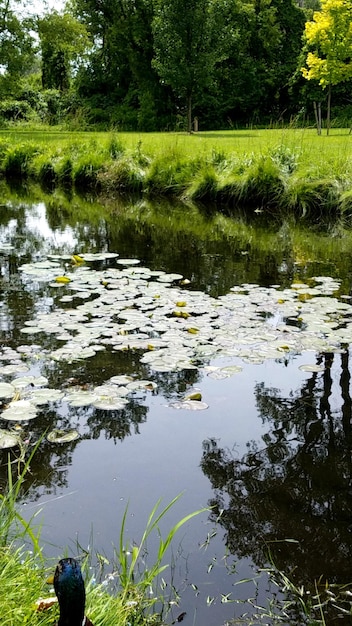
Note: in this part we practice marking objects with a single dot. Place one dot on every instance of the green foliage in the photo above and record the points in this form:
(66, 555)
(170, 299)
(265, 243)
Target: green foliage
(204, 186)
(63, 40)
(329, 35)
(122, 175)
(14, 110)
(16, 47)
(129, 555)
(263, 184)
(18, 159)
(115, 147)
(314, 198)
(284, 158)
(85, 171)
(168, 174)
(188, 42)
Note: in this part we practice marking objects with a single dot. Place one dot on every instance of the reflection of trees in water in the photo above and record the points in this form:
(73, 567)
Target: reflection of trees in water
(298, 486)
(117, 424)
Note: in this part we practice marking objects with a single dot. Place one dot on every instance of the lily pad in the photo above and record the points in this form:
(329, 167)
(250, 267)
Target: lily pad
(110, 404)
(62, 436)
(7, 390)
(8, 439)
(80, 398)
(128, 261)
(311, 368)
(190, 405)
(19, 410)
(44, 396)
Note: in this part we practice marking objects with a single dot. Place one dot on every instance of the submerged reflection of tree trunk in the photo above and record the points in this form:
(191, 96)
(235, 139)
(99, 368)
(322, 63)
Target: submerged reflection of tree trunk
(298, 486)
(345, 392)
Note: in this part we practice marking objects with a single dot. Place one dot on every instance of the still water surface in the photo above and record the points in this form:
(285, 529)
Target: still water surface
(271, 453)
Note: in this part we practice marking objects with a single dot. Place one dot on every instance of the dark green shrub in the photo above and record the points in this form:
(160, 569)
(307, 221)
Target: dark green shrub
(15, 110)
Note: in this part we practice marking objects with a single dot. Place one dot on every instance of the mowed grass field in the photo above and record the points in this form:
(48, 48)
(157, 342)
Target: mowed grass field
(309, 148)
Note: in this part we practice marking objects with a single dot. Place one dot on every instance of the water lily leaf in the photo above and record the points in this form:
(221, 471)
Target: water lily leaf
(311, 368)
(232, 369)
(110, 404)
(7, 390)
(24, 381)
(19, 410)
(8, 439)
(128, 261)
(142, 384)
(14, 368)
(190, 405)
(120, 380)
(99, 256)
(169, 278)
(80, 397)
(44, 396)
(62, 436)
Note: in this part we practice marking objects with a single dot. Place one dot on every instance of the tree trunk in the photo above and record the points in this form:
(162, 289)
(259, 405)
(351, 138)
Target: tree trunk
(189, 113)
(328, 117)
(317, 115)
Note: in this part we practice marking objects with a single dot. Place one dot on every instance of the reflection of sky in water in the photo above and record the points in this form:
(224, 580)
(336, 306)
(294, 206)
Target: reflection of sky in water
(37, 222)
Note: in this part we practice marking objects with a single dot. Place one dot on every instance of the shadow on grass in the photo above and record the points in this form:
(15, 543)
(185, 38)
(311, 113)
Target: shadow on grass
(226, 135)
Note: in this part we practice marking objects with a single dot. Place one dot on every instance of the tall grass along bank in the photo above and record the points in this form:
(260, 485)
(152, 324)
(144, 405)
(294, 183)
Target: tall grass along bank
(278, 171)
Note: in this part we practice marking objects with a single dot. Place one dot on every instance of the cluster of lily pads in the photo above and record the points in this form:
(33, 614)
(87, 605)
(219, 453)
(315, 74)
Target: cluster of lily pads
(121, 305)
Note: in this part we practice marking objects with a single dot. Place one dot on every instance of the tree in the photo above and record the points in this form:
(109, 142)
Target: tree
(189, 40)
(63, 40)
(329, 42)
(118, 83)
(16, 46)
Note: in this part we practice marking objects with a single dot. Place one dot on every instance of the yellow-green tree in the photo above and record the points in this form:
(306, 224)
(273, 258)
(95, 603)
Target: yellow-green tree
(329, 46)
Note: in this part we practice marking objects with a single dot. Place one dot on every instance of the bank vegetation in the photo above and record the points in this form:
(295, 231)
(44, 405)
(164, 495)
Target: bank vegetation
(275, 171)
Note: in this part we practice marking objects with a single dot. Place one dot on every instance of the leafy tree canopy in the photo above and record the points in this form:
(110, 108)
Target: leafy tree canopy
(329, 35)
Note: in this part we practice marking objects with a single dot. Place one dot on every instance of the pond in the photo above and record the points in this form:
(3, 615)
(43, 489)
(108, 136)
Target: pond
(164, 351)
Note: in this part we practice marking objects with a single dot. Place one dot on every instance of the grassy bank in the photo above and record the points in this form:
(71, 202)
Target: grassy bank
(272, 170)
